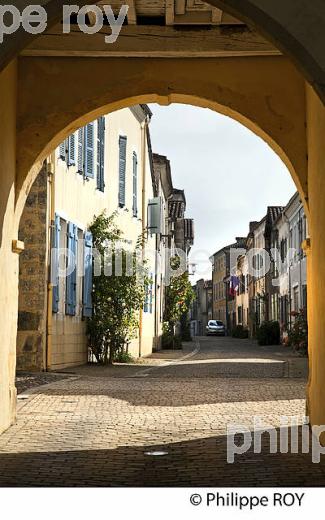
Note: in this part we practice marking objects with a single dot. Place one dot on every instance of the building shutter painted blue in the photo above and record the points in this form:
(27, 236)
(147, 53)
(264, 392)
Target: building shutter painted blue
(72, 150)
(88, 276)
(100, 153)
(151, 294)
(89, 150)
(122, 170)
(71, 280)
(146, 301)
(55, 264)
(80, 158)
(63, 150)
(135, 185)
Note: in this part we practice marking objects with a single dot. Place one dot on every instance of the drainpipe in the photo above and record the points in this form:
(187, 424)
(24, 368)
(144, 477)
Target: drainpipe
(144, 129)
(51, 223)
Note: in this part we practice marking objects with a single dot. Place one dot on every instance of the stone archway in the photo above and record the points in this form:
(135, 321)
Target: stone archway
(289, 25)
(296, 28)
(271, 99)
(265, 94)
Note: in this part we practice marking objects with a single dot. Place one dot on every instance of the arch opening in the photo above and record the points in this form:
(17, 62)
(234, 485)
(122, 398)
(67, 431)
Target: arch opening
(200, 359)
(185, 99)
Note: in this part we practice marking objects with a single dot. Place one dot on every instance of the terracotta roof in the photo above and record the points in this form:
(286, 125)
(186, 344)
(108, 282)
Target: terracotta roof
(241, 242)
(274, 212)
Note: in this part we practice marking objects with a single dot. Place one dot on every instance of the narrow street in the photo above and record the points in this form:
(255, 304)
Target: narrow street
(96, 426)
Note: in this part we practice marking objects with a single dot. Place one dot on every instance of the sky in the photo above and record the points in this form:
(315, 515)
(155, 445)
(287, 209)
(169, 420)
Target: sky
(229, 175)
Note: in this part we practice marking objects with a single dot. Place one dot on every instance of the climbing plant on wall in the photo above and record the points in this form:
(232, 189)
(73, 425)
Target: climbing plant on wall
(119, 287)
(179, 296)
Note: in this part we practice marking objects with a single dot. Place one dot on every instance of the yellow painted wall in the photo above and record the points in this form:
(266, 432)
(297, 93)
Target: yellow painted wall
(77, 200)
(242, 299)
(219, 304)
(8, 259)
(316, 256)
(266, 94)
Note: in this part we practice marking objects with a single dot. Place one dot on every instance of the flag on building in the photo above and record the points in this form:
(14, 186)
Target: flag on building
(234, 285)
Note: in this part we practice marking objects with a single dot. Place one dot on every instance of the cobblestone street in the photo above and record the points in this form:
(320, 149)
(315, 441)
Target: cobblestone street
(95, 427)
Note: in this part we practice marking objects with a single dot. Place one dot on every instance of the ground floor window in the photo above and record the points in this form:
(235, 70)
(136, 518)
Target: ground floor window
(240, 315)
(296, 299)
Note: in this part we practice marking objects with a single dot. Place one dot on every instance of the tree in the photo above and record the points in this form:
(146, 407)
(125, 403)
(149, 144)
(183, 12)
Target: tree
(119, 290)
(179, 296)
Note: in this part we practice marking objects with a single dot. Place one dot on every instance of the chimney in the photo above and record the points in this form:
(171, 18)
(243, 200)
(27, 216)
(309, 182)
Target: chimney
(252, 226)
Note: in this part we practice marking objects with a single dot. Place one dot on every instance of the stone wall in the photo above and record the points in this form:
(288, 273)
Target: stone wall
(31, 337)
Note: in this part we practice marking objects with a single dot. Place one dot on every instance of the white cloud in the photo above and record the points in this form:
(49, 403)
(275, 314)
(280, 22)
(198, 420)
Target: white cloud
(229, 174)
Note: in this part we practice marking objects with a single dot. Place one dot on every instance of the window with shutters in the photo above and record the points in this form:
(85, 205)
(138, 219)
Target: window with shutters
(122, 170)
(100, 153)
(71, 279)
(72, 150)
(88, 276)
(148, 302)
(63, 150)
(151, 295)
(55, 264)
(80, 151)
(296, 299)
(89, 155)
(135, 185)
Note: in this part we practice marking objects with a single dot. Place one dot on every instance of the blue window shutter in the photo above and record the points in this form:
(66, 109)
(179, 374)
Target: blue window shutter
(80, 157)
(71, 280)
(151, 294)
(146, 301)
(100, 153)
(88, 276)
(63, 150)
(135, 185)
(72, 150)
(55, 264)
(122, 170)
(89, 150)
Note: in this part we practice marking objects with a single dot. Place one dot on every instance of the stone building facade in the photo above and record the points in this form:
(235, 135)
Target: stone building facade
(242, 294)
(219, 273)
(290, 233)
(33, 274)
(224, 268)
(201, 310)
(271, 275)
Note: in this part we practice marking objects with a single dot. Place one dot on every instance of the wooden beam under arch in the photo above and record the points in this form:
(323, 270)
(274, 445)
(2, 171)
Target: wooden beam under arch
(153, 41)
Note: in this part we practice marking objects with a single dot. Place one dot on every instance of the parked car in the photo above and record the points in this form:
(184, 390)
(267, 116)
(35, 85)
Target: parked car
(216, 328)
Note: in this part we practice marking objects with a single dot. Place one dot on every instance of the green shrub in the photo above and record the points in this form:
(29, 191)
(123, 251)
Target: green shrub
(123, 357)
(240, 332)
(185, 328)
(118, 298)
(170, 340)
(167, 340)
(298, 335)
(268, 333)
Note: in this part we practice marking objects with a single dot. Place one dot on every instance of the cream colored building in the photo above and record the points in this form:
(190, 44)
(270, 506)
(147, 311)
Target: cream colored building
(242, 296)
(106, 165)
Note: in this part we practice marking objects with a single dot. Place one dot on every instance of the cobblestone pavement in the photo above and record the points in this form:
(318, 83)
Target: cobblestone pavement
(28, 380)
(95, 429)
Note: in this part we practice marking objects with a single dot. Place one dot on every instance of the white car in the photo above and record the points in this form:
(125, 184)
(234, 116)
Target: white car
(216, 327)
